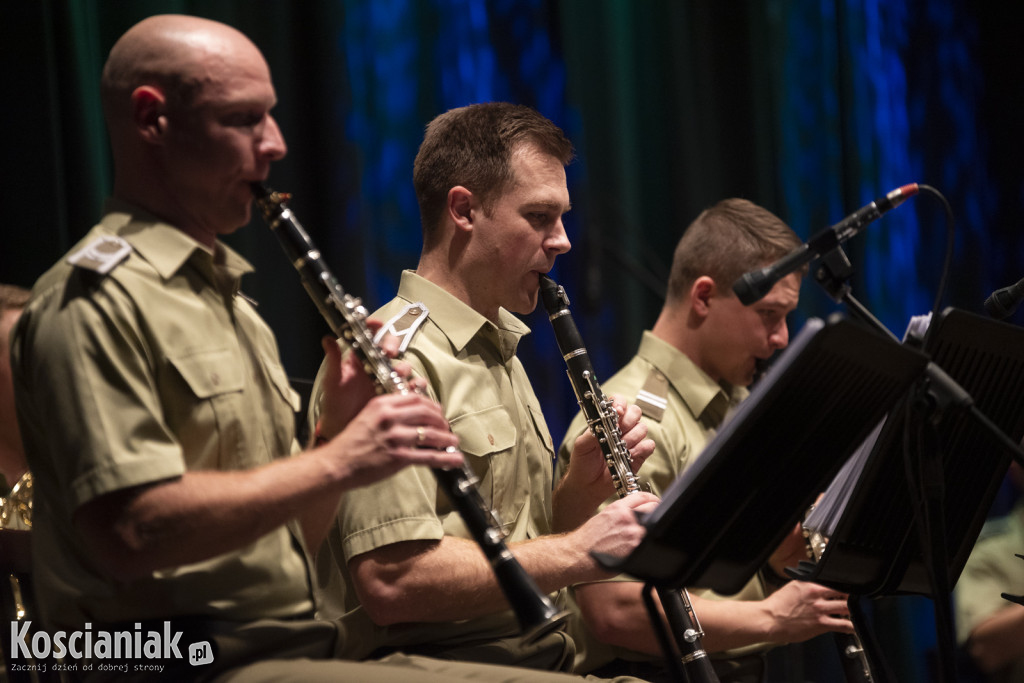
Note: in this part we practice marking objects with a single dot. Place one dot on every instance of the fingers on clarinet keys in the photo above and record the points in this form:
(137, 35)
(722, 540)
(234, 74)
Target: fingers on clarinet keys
(421, 441)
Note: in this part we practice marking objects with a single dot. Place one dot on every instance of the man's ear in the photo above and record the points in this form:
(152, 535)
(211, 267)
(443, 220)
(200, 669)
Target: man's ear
(460, 207)
(701, 292)
(149, 112)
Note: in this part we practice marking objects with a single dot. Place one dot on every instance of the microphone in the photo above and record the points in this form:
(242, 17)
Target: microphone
(754, 285)
(1003, 302)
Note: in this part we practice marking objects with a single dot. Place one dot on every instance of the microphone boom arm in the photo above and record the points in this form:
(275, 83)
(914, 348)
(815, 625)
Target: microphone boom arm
(754, 285)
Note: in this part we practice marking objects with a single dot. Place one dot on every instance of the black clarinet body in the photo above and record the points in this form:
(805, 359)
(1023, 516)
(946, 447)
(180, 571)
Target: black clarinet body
(536, 613)
(852, 655)
(604, 425)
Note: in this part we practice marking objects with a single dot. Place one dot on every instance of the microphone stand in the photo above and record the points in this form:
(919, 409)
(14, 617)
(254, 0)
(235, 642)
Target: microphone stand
(832, 273)
(938, 394)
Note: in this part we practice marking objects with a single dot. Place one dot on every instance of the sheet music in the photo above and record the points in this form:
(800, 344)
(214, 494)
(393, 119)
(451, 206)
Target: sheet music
(829, 509)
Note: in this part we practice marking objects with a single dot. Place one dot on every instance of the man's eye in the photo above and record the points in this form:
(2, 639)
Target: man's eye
(244, 119)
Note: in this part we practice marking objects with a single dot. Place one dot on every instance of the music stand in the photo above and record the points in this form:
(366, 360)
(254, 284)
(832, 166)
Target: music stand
(871, 550)
(719, 522)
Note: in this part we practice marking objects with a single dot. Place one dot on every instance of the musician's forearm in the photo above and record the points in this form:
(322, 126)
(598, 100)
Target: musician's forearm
(616, 614)
(138, 531)
(573, 503)
(998, 640)
(451, 579)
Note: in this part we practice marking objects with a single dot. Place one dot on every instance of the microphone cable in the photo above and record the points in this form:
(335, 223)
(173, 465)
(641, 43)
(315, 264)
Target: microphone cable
(950, 237)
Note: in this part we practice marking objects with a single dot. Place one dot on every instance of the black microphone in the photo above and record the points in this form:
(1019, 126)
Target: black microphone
(754, 285)
(1003, 302)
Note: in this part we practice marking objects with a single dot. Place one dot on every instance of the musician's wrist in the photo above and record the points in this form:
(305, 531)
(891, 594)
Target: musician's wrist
(575, 500)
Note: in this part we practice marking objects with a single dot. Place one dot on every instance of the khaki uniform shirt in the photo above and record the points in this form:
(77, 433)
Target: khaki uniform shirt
(992, 569)
(472, 370)
(137, 376)
(682, 408)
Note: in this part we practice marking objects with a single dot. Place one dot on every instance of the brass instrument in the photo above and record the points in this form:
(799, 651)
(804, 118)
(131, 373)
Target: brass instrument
(15, 553)
(536, 613)
(604, 424)
(16, 506)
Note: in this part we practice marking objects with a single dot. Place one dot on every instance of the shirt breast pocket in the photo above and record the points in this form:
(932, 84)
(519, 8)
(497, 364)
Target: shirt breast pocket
(206, 414)
(487, 438)
(279, 378)
(285, 411)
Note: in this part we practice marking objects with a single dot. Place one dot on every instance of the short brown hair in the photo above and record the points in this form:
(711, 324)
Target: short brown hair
(725, 241)
(472, 146)
(12, 296)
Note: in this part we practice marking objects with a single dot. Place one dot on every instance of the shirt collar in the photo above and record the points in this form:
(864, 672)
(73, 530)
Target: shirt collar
(164, 246)
(705, 397)
(458, 321)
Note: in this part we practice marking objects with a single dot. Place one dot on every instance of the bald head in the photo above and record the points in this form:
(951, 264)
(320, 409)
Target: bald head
(187, 103)
(177, 53)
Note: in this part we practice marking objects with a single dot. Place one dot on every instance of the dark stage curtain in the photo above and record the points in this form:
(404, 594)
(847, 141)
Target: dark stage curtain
(811, 109)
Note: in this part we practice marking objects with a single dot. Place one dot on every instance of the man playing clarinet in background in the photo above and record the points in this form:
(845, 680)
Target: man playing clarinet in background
(692, 367)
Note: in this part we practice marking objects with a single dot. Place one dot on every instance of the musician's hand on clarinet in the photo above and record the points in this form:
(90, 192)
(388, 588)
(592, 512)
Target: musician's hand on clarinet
(616, 530)
(347, 387)
(802, 610)
(587, 465)
(391, 432)
(634, 432)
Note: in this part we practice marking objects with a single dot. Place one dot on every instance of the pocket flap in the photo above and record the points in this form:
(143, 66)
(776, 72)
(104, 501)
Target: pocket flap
(210, 372)
(485, 432)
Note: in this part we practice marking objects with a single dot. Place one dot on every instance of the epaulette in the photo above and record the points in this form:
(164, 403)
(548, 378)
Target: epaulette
(102, 254)
(404, 325)
(653, 395)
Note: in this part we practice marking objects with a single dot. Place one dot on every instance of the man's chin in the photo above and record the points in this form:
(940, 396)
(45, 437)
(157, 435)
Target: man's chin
(747, 378)
(532, 305)
(525, 306)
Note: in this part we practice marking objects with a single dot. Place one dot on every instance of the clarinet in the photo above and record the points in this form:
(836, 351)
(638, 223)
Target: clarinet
(604, 425)
(852, 656)
(536, 613)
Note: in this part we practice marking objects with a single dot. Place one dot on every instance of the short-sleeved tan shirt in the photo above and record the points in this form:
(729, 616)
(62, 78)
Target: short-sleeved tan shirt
(137, 376)
(472, 370)
(683, 407)
(992, 569)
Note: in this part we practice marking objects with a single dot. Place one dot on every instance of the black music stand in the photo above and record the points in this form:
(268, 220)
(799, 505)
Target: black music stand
(718, 523)
(960, 450)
